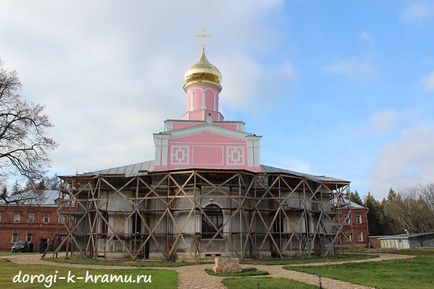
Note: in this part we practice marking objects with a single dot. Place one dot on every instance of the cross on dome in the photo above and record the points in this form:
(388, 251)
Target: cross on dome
(202, 37)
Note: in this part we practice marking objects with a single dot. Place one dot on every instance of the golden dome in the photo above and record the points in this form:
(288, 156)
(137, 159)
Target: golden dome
(203, 71)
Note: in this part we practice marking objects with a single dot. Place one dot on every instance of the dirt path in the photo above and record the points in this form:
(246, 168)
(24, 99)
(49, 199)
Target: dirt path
(195, 277)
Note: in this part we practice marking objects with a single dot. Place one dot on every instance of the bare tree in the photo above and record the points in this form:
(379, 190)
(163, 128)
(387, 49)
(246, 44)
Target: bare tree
(412, 210)
(24, 143)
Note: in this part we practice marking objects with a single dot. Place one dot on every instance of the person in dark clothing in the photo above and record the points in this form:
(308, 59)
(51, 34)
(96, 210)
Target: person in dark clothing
(42, 246)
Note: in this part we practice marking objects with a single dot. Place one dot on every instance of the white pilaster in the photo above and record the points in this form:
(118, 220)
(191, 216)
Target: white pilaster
(203, 99)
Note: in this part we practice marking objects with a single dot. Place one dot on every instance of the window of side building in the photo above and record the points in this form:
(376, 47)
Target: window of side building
(61, 220)
(358, 219)
(17, 218)
(31, 218)
(360, 237)
(46, 219)
(29, 237)
(14, 237)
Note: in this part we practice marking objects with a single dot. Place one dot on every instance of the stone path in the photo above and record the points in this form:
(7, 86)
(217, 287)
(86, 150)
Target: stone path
(195, 277)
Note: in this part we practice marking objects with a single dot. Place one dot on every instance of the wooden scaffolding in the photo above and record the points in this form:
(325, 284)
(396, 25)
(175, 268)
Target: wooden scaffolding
(265, 214)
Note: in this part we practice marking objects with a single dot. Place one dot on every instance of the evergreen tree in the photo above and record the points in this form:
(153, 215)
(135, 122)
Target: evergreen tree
(355, 197)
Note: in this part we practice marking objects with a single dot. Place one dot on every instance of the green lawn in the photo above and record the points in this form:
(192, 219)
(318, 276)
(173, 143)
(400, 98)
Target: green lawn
(265, 283)
(7, 253)
(161, 279)
(395, 274)
(412, 251)
(123, 262)
(298, 260)
(243, 272)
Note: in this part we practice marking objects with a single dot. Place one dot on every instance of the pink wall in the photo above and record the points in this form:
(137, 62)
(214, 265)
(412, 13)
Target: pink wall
(207, 150)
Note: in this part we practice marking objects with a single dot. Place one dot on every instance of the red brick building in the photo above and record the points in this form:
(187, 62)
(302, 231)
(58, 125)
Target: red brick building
(355, 225)
(31, 221)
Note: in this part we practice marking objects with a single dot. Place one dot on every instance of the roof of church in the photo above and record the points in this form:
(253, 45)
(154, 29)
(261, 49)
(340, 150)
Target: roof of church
(145, 167)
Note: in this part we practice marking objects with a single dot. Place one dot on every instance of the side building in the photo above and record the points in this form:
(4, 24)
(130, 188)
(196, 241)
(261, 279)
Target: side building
(31, 217)
(354, 218)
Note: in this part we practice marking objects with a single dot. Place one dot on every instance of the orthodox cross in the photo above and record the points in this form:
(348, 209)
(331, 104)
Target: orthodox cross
(202, 37)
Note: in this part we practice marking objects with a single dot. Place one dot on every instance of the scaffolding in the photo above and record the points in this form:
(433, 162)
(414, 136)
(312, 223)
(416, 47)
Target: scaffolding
(161, 214)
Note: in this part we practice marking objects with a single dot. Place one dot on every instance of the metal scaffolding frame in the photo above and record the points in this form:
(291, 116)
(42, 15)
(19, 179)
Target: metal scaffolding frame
(265, 214)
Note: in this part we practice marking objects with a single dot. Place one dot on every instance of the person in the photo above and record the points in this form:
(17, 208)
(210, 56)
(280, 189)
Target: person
(31, 247)
(42, 246)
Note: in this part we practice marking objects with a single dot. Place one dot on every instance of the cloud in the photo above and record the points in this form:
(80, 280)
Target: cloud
(427, 83)
(109, 73)
(354, 67)
(291, 163)
(418, 11)
(366, 36)
(246, 83)
(406, 162)
(384, 121)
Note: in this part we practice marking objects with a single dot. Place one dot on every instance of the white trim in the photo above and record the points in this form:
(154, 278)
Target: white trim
(241, 155)
(203, 99)
(173, 152)
(236, 134)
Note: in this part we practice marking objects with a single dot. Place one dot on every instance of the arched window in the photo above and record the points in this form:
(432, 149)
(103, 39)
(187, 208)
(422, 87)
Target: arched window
(212, 222)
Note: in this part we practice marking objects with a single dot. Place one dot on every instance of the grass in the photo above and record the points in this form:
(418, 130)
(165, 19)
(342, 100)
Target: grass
(298, 260)
(157, 263)
(243, 272)
(393, 274)
(123, 262)
(412, 251)
(8, 253)
(161, 279)
(265, 283)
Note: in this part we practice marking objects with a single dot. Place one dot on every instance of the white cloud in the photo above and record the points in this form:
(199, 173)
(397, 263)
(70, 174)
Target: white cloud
(248, 86)
(419, 11)
(110, 73)
(406, 162)
(366, 36)
(427, 82)
(384, 121)
(291, 163)
(354, 67)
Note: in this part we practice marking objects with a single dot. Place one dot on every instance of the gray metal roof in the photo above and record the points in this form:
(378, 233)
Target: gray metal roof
(269, 169)
(128, 170)
(355, 205)
(405, 236)
(144, 167)
(35, 197)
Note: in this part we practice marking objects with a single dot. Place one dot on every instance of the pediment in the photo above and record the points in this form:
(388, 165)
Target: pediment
(210, 130)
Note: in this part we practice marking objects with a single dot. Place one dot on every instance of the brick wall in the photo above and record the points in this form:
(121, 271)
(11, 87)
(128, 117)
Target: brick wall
(45, 224)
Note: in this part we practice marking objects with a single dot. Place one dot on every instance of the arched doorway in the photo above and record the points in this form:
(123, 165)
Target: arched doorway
(212, 221)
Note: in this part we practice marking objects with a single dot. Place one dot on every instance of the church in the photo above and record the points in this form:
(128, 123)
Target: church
(205, 194)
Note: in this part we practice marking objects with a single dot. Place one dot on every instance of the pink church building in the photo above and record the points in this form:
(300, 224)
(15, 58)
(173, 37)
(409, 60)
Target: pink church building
(202, 138)
(205, 194)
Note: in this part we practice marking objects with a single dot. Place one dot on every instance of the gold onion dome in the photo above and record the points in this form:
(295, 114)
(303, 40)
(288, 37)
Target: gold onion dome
(203, 71)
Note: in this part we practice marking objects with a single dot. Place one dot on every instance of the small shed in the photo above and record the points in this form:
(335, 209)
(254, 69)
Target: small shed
(406, 241)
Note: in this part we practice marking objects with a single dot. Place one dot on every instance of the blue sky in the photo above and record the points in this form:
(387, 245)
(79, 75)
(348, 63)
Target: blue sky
(341, 88)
